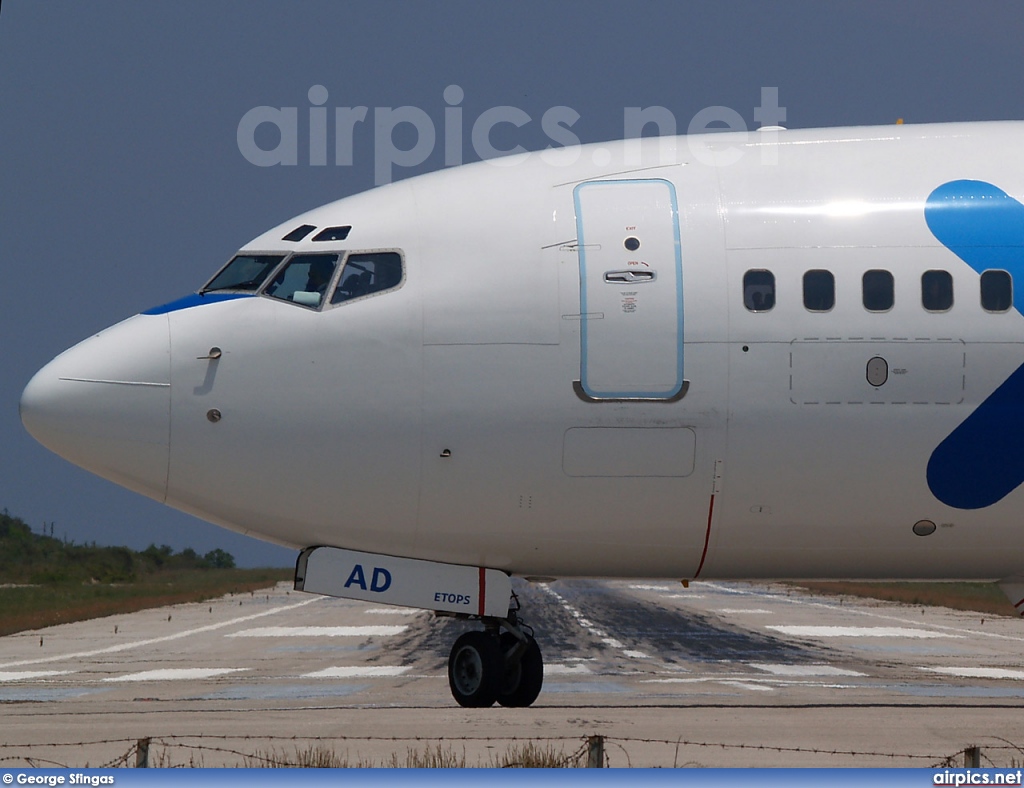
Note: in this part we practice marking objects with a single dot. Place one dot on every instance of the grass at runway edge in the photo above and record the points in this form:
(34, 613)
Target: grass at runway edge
(976, 597)
(27, 607)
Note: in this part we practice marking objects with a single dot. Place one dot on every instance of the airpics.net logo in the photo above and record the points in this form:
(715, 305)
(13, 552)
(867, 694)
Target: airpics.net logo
(282, 128)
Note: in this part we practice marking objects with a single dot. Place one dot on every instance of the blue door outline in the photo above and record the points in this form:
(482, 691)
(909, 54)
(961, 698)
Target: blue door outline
(594, 259)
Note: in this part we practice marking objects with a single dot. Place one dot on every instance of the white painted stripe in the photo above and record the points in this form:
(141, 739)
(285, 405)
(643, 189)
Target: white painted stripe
(646, 587)
(591, 627)
(175, 674)
(331, 632)
(808, 601)
(394, 611)
(565, 670)
(358, 672)
(803, 670)
(636, 654)
(754, 610)
(769, 682)
(746, 686)
(859, 632)
(980, 673)
(27, 675)
(163, 639)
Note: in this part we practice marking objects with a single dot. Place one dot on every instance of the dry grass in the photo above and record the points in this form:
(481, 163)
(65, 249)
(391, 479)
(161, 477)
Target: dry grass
(37, 606)
(529, 755)
(977, 597)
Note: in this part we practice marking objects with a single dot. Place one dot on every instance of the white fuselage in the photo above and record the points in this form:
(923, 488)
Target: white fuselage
(439, 420)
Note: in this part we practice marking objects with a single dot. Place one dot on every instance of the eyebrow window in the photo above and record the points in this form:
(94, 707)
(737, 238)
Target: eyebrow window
(937, 291)
(996, 291)
(758, 290)
(819, 291)
(878, 291)
(299, 232)
(368, 273)
(333, 233)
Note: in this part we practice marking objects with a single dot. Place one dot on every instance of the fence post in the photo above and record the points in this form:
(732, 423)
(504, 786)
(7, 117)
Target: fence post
(972, 758)
(595, 752)
(142, 753)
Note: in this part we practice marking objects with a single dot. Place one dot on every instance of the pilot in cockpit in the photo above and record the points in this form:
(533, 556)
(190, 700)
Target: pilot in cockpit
(320, 273)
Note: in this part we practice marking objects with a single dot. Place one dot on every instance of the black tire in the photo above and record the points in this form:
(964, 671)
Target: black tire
(475, 670)
(521, 683)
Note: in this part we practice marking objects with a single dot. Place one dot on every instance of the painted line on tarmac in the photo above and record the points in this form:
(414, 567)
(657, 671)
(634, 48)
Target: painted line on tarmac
(359, 672)
(175, 674)
(860, 612)
(593, 629)
(859, 632)
(29, 675)
(328, 632)
(979, 673)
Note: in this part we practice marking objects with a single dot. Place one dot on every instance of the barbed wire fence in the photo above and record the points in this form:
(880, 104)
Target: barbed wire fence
(594, 751)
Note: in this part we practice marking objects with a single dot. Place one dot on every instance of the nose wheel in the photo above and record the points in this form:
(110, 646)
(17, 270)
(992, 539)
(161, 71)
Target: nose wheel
(490, 666)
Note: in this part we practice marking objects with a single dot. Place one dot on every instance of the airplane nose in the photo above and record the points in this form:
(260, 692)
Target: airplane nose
(105, 404)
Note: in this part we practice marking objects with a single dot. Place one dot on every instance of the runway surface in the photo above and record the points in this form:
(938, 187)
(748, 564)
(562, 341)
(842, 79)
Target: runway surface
(720, 674)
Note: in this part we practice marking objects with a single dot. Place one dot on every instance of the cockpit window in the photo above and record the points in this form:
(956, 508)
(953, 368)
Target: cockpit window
(304, 280)
(244, 272)
(367, 273)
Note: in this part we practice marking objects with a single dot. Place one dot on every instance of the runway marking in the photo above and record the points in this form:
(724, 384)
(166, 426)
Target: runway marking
(859, 632)
(748, 682)
(979, 673)
(566, 670)
(358, 672)
(28, 675)
(393, 611)
(746, 686)
(331, 632)
(588, 625)
(175, 674)
(753, 610)
(858, 611)
(648, 587)
(803, 670)
(162, 639)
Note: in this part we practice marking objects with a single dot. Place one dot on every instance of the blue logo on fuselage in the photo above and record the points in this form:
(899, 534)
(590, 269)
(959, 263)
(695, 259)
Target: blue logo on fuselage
(982, 460)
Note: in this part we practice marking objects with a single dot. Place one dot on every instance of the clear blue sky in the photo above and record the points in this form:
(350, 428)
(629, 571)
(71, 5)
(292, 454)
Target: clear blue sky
(122, 185)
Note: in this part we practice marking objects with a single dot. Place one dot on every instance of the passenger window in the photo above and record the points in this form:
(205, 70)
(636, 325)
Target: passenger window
(368, 273)
(878, 291)
(819, 291)
(937, 291)
(244, 272)
(304, 280)
(996, 291)
(758, 290)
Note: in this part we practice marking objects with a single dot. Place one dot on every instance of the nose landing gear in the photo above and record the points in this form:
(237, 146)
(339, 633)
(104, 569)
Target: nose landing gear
(490, 666)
